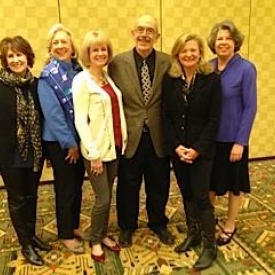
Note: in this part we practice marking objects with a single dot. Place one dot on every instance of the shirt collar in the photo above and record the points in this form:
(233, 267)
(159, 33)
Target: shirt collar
(140, 59)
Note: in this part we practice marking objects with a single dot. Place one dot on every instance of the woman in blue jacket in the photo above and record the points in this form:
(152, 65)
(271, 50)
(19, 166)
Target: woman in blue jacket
(61, 141)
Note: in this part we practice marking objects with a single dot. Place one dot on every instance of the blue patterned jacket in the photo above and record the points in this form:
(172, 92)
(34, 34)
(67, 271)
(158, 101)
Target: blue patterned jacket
(55, 96)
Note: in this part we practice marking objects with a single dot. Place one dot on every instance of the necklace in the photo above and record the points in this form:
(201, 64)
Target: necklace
(100, 80)
(188, 85)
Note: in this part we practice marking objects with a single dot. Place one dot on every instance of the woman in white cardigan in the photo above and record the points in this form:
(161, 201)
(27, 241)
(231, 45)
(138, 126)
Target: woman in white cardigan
(100, 122)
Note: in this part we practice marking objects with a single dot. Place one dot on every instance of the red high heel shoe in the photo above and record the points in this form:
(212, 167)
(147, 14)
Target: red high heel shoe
(115, 248)
(98, 258)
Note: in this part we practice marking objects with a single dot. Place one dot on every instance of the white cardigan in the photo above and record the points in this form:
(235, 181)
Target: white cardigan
(94, 119)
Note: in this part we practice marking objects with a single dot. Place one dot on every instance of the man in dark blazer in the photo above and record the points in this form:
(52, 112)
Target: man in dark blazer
(144, 157)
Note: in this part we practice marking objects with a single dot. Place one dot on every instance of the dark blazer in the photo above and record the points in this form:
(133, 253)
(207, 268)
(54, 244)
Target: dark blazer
(124, 73)
(194, 124)
(8, 117)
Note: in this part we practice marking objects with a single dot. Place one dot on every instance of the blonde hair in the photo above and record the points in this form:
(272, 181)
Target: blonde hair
(176, 69)
(53, 30)
(94, 38)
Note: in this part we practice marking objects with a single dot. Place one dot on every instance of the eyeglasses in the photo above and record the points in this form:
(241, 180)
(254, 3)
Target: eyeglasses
(149, 31)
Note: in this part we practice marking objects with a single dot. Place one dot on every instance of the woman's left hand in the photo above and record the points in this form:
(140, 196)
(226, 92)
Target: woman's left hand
(236, 153)
(96, 167)
(190, 155)
(73, 155)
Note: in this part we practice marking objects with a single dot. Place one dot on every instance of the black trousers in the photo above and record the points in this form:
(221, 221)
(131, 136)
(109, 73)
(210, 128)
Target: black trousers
(21, 185)
(156, 173)
(194, 180)
(68, 181)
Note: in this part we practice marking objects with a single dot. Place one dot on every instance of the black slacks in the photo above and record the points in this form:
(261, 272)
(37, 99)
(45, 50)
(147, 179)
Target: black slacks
(21, 185)
(155, 171)
(68, 181)
(194, 181)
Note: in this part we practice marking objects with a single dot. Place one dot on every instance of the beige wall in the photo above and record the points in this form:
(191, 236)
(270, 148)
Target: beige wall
(256, 19)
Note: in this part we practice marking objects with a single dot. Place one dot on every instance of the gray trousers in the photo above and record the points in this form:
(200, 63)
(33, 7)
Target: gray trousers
(102, 186)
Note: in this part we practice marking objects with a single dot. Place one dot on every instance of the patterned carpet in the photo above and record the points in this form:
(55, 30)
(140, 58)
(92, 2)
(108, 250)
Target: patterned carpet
(251, 252)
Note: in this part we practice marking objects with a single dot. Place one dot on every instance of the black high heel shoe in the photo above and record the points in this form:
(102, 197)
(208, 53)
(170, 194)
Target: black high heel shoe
(32, 256)
(226, 239)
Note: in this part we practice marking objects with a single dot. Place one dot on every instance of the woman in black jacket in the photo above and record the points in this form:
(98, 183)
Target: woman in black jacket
(20, 142)
(191, 103)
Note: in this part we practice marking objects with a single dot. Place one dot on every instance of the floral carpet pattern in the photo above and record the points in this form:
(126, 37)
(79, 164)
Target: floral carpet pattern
(252, 251)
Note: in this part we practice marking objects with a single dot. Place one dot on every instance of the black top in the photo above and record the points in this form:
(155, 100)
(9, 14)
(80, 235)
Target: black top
(8, 117)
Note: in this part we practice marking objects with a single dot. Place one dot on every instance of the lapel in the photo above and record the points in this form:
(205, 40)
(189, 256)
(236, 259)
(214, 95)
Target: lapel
(199, 82)
(132, 76)
(160, 67)
(94, 88)
(178, 88)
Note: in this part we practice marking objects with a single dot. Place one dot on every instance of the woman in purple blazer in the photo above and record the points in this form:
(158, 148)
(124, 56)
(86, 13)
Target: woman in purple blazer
(239, 104)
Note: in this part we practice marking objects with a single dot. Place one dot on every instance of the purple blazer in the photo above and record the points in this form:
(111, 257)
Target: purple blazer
(239, 100)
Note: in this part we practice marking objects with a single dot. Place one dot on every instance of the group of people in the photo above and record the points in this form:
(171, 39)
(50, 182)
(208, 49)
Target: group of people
(147, 110)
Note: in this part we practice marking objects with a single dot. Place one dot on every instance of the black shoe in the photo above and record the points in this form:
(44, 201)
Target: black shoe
(225, 237)
(209, 254)
(188, 243)
(165, 236)
(41, 245)
(125, 238)
(32, 256)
